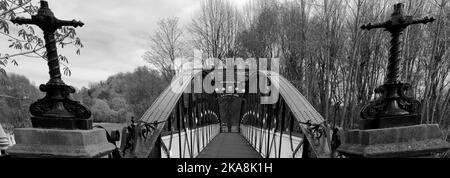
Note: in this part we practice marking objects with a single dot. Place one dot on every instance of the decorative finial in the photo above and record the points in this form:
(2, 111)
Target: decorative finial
(57, 109)
(394, 107)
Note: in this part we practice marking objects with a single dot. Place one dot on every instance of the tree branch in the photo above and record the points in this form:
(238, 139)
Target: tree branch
(14, 8)
(12, 37)
(21, 53)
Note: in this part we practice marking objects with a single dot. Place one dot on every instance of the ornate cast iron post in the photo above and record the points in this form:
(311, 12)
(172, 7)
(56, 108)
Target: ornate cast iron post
(394, 107)
(57, 109)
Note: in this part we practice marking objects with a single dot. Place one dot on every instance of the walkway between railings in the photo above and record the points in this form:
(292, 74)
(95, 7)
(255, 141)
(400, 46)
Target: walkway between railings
(229, 145)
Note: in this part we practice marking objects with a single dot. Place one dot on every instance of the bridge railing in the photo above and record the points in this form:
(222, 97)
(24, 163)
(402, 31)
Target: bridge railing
(189, 143)
(177, 125)
(288, 128)
(280, 146)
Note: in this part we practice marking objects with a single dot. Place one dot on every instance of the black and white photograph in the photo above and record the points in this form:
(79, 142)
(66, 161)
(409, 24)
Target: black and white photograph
(224, 87)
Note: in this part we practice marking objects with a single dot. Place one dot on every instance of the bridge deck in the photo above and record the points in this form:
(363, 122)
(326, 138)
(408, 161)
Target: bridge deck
(229, 145)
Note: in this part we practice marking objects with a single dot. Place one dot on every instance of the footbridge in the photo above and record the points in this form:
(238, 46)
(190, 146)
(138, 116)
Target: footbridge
(182, 123)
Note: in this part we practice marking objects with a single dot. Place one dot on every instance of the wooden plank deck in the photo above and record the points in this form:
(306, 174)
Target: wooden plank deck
(229, 145)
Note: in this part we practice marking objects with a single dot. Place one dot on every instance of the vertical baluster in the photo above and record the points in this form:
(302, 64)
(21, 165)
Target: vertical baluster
(282, 112)
(190, 124)
(268, 125)
(179, 115)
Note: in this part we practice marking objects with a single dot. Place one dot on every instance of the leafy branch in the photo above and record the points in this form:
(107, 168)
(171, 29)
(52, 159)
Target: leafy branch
(27, 43)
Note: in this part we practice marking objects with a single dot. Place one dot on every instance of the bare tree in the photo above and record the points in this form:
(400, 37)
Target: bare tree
(166, 45)
(294, 30)
(437, 66)
(215, 29)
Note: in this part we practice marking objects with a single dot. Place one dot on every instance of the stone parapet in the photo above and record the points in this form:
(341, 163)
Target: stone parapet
(36, 142)
(410, 141)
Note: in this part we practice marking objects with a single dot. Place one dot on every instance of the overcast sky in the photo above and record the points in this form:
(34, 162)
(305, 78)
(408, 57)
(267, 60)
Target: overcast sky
(115, 36)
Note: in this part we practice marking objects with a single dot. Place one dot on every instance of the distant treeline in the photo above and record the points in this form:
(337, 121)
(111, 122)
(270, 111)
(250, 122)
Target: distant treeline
(16, 95)
(115, 100)
(123, 95)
